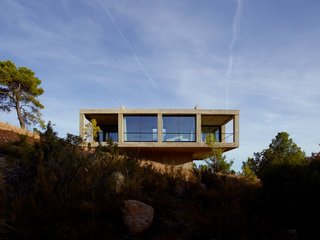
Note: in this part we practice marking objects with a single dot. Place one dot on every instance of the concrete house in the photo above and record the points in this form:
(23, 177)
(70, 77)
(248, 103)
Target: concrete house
(165, 135)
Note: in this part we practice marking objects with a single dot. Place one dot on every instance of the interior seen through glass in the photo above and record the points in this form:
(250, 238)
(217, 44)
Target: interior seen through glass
(179, 129)
(140, 128)
(215, 130)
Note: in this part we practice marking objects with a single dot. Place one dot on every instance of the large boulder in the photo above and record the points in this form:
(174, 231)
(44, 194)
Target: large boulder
(137, 216)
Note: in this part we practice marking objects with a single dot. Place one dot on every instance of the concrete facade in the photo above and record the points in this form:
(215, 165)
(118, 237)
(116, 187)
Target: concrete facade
(225, 123)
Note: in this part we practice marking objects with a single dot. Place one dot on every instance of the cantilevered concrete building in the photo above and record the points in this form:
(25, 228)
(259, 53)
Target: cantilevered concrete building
(165, 135)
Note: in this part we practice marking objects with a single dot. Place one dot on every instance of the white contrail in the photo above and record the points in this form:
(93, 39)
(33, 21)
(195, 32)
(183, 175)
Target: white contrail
(83, 66)
(236, 24)
(235, 35)
(130, 47)
(76, 59)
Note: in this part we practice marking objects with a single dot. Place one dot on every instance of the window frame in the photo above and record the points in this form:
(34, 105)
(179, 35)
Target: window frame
(179, 133)
(154, 135)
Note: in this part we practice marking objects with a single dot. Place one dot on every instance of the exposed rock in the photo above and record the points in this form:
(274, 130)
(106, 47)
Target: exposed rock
(137, 216)
(119, 181)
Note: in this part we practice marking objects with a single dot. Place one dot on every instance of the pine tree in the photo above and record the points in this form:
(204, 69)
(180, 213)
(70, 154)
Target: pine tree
(19, 89)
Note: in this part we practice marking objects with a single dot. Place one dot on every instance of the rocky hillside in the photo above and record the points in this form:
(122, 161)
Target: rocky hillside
(9, 133)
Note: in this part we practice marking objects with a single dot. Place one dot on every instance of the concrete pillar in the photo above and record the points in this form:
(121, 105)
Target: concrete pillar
(81, 125)
(236, 129)
(120, 127)
(198, 128)
(223, 133)
(160, 126)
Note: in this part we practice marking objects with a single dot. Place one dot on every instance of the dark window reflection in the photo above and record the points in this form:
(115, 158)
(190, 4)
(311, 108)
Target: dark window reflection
(140, 128)
(179, 128)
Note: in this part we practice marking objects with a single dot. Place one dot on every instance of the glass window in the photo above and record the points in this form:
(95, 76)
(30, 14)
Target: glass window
(140, 128)
(112, 135)
(179, 128)
(132, 128)
(109, 130)
(100, 135)
(215, 130)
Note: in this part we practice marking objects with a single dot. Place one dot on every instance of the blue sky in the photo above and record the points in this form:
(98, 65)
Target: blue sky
(261, 57)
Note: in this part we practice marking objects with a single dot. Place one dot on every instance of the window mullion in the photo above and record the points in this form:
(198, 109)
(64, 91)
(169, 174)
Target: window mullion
(140, 129)
(179, 128)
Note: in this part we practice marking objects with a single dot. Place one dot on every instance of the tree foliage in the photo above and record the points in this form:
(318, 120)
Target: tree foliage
(281, 151)
(53, 189)
(216, 160)
(19, 89)
(247, 173)
(314, 157)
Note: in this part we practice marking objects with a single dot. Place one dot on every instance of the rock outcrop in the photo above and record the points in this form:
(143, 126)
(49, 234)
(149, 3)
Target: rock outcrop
(137, 216)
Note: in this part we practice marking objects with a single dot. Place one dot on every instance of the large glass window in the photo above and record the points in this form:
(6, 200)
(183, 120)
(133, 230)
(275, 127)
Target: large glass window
(108, 131)
(103, 136)
(140, 128)
(179, 128)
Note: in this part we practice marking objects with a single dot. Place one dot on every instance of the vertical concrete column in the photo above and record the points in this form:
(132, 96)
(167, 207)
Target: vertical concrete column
(81, 125)
(223, 133)
(198, 128)
(160, 126)
(120, 127)
(236, 128)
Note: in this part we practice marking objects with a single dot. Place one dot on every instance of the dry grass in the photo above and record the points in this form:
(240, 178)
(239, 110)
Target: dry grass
(10, 133)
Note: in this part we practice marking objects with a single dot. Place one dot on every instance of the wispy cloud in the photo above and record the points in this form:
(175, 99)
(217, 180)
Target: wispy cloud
(235, 35)
(236, 24)
(77, 60)
(134, 54)
(82, 65)
(86, 52)
(178, 55)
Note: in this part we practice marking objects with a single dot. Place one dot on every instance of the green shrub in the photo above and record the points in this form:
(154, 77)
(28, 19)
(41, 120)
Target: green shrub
(55, 189)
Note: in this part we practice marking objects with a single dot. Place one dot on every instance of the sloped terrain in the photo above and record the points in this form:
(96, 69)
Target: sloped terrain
(9, 133)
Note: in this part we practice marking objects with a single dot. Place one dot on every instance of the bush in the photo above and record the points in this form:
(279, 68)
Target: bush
(55, 189)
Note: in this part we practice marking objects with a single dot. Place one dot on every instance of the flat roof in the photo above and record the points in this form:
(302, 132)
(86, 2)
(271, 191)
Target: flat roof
(209, 116)
(155, 111)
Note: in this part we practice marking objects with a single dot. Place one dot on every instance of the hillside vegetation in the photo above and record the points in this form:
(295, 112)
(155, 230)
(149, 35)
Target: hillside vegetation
(9, 133)
(53, 189)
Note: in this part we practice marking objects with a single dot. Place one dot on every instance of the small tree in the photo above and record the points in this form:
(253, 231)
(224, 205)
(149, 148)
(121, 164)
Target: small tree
(247, 172)
(19, 89)
(216, 160)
